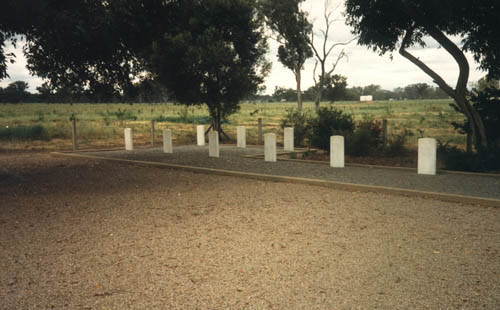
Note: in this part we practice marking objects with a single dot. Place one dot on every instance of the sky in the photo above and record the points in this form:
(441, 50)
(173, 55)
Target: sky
(362, 66)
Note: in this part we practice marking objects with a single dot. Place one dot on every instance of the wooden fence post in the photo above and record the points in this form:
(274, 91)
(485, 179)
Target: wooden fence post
(75, 144)
(260, 131)
(384, 132)
(152, 133)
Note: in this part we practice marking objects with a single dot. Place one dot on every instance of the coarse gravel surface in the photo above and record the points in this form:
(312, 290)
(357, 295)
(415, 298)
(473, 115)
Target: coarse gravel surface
(232, 158)
(85, 234)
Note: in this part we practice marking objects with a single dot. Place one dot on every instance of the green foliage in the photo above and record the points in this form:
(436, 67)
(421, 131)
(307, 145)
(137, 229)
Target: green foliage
(329, 122)
(285, 19)
(454, 158)
(124, 115)
(214, 55)
(23, 133)
(366, 139)
(397, 144)
(380, 25)
(487, 104)
(301, 123)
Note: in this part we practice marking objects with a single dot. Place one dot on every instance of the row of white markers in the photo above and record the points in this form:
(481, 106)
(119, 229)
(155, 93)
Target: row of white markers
(426, 147)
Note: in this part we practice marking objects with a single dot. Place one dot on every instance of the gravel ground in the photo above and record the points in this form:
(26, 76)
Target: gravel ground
(231, 158)
(80, 234)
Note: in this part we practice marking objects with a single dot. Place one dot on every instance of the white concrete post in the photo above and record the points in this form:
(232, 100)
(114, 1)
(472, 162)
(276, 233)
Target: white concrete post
(129, 143)
(213, 144)
(427, 156)
(270, 147)
(241, 136)
(288, 139)
(167, 141)
(337, 151)
(200, 131)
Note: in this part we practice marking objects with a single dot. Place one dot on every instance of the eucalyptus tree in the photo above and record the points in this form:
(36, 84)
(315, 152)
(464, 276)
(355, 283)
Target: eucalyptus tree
(390, 25)
(292, 29)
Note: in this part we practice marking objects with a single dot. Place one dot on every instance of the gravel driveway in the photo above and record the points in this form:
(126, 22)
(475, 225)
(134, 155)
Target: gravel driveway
(232, 158)
(81, 234)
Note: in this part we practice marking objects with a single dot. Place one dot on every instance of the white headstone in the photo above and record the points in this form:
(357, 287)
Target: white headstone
(270, 147)
(200, 134)
(129, 143)
(288, 139)
(167, 141)
(427, 156)
(241, 136)
(213, 144)
(337, 151)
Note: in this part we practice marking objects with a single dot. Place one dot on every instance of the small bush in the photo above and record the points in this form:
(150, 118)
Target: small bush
(396, 145)
(365, 140)
(125, 116)
(160, 119)
(453, 158)
(329, 122)
(301, 123)
(23, 133)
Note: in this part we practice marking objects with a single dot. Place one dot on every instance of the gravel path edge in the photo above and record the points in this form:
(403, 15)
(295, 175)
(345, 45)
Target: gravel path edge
(317, 182)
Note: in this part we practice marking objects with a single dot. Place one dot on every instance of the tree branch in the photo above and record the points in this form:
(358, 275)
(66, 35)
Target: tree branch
(436, 77)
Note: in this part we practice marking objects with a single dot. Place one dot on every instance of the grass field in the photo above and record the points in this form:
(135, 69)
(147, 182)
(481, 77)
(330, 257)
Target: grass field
(101, 125)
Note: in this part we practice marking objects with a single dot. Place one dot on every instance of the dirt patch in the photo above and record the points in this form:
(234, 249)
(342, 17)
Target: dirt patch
(79, 234)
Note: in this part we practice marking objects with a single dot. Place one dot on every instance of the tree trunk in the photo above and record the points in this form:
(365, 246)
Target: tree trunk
(299, 90)
(460, 91)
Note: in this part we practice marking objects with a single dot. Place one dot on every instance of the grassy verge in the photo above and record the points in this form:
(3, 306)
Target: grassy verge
(48, 126)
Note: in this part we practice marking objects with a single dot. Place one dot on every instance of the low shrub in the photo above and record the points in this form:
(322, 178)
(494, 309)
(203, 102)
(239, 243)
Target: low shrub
(366, 139)
(396, 144)
(301, 123)
(453, 158)
(330, 122)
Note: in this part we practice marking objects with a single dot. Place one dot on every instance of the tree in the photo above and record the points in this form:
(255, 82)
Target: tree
(388, 25)
(335, 87)
(417, 91)
(285, 18)
(16, 92)
(323, 52)
(83, 41)
(213, 54)
(286, 94)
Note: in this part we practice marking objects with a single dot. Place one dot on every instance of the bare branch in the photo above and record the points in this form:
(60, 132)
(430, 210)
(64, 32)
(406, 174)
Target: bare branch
(339, 57)
(337, 44)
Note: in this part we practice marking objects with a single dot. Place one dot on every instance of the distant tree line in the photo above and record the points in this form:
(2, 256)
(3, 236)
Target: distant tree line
(150, 91)
(146, 91)
(337, 90)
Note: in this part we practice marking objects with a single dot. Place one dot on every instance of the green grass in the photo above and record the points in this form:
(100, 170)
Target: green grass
(102, 124)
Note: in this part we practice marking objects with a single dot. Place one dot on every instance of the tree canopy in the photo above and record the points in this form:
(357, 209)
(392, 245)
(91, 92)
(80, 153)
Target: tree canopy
(388, 25)
(285, 18)
(213, 54)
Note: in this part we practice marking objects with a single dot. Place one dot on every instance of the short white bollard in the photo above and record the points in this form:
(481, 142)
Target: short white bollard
(213, 144)
(288, 139)
(167, 141)
(129, 143)
(270, 147)
(200, 134)
(337, 151)
(427, 156)
(241, 137)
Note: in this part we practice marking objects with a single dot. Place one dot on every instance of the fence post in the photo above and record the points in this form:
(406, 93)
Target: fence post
(152, 133)
(75, 144)
(259, 142)
(384, 132)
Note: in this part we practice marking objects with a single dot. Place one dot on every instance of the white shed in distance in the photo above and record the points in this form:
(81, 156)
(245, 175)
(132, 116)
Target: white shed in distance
(366, 98)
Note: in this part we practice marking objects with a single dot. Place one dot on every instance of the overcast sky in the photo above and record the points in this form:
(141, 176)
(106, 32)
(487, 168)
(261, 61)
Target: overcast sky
(363, 66)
